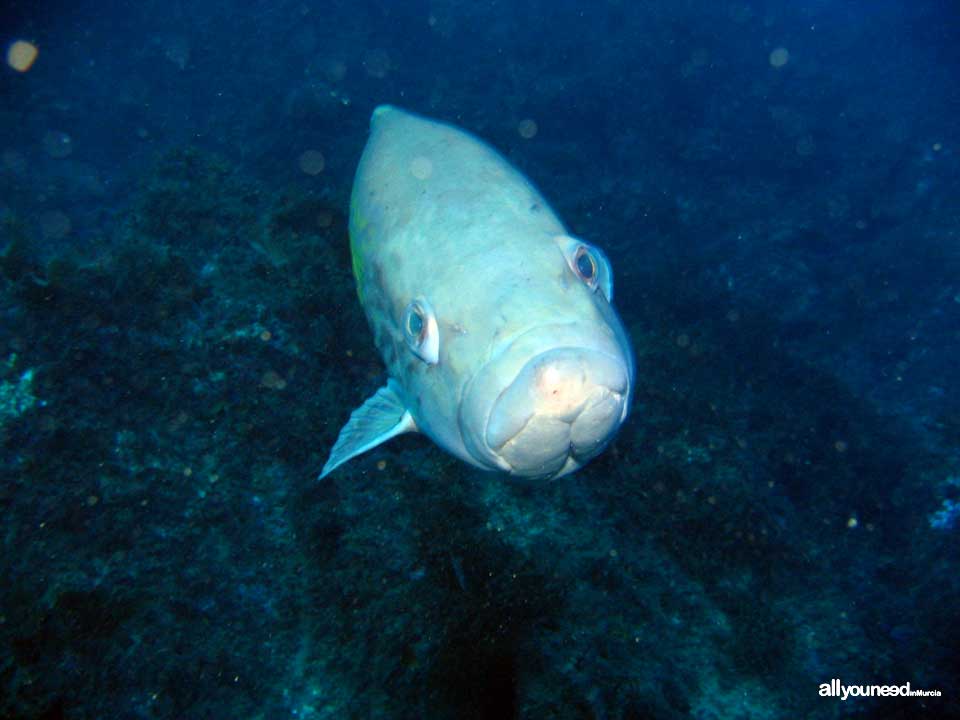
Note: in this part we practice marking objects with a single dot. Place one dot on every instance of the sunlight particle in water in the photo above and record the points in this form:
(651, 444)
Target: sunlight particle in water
(779, 57)
(272, 380)
(57, 144)
(377, 63)
(334, 70)
(683, 340)
(177, 51)
(54, 225)
(740, 13)
(805, 146)
(21, 54)
(13, 161)
(421, 167)
(312, 162)
(527, 129)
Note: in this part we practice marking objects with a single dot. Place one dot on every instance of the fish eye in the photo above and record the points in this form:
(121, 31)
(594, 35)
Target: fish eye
(588, 263)
(420, 330)
(586, 266)
(414, 324)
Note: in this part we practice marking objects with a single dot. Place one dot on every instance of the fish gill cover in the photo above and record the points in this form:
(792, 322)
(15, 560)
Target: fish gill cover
(775, 184)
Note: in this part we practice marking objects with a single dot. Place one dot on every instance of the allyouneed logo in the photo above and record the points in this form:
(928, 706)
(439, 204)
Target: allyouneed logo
(835, 689)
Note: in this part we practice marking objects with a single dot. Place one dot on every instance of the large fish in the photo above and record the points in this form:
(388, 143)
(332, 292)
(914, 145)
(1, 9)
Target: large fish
(496, 326)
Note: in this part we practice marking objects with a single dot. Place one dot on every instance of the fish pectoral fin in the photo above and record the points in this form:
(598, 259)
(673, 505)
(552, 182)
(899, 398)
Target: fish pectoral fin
(380, 418)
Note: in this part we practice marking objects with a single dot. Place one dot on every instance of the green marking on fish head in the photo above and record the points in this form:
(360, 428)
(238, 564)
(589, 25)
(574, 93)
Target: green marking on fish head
(358, 224)
(358, 274)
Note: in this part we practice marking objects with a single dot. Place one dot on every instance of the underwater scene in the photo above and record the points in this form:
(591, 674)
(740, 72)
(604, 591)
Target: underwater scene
(449, 360)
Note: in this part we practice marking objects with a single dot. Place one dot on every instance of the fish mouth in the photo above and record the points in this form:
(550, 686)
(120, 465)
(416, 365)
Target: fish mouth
(548, 400)
(561, 410)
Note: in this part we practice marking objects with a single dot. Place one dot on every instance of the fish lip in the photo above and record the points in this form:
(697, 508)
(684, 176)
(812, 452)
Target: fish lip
(619, 395)
(486, 455)
(474, 409)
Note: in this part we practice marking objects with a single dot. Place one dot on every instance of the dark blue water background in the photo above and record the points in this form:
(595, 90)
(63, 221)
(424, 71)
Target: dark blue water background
(777, 185)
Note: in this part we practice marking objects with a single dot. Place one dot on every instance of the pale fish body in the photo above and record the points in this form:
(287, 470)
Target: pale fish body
(496, 326)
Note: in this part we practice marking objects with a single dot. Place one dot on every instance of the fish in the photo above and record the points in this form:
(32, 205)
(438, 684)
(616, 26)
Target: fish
(495, 324)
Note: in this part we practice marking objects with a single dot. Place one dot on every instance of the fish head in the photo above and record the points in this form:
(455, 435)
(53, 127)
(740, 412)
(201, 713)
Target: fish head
(557, 379)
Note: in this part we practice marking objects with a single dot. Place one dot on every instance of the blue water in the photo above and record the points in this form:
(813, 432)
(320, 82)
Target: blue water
(777, 186)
